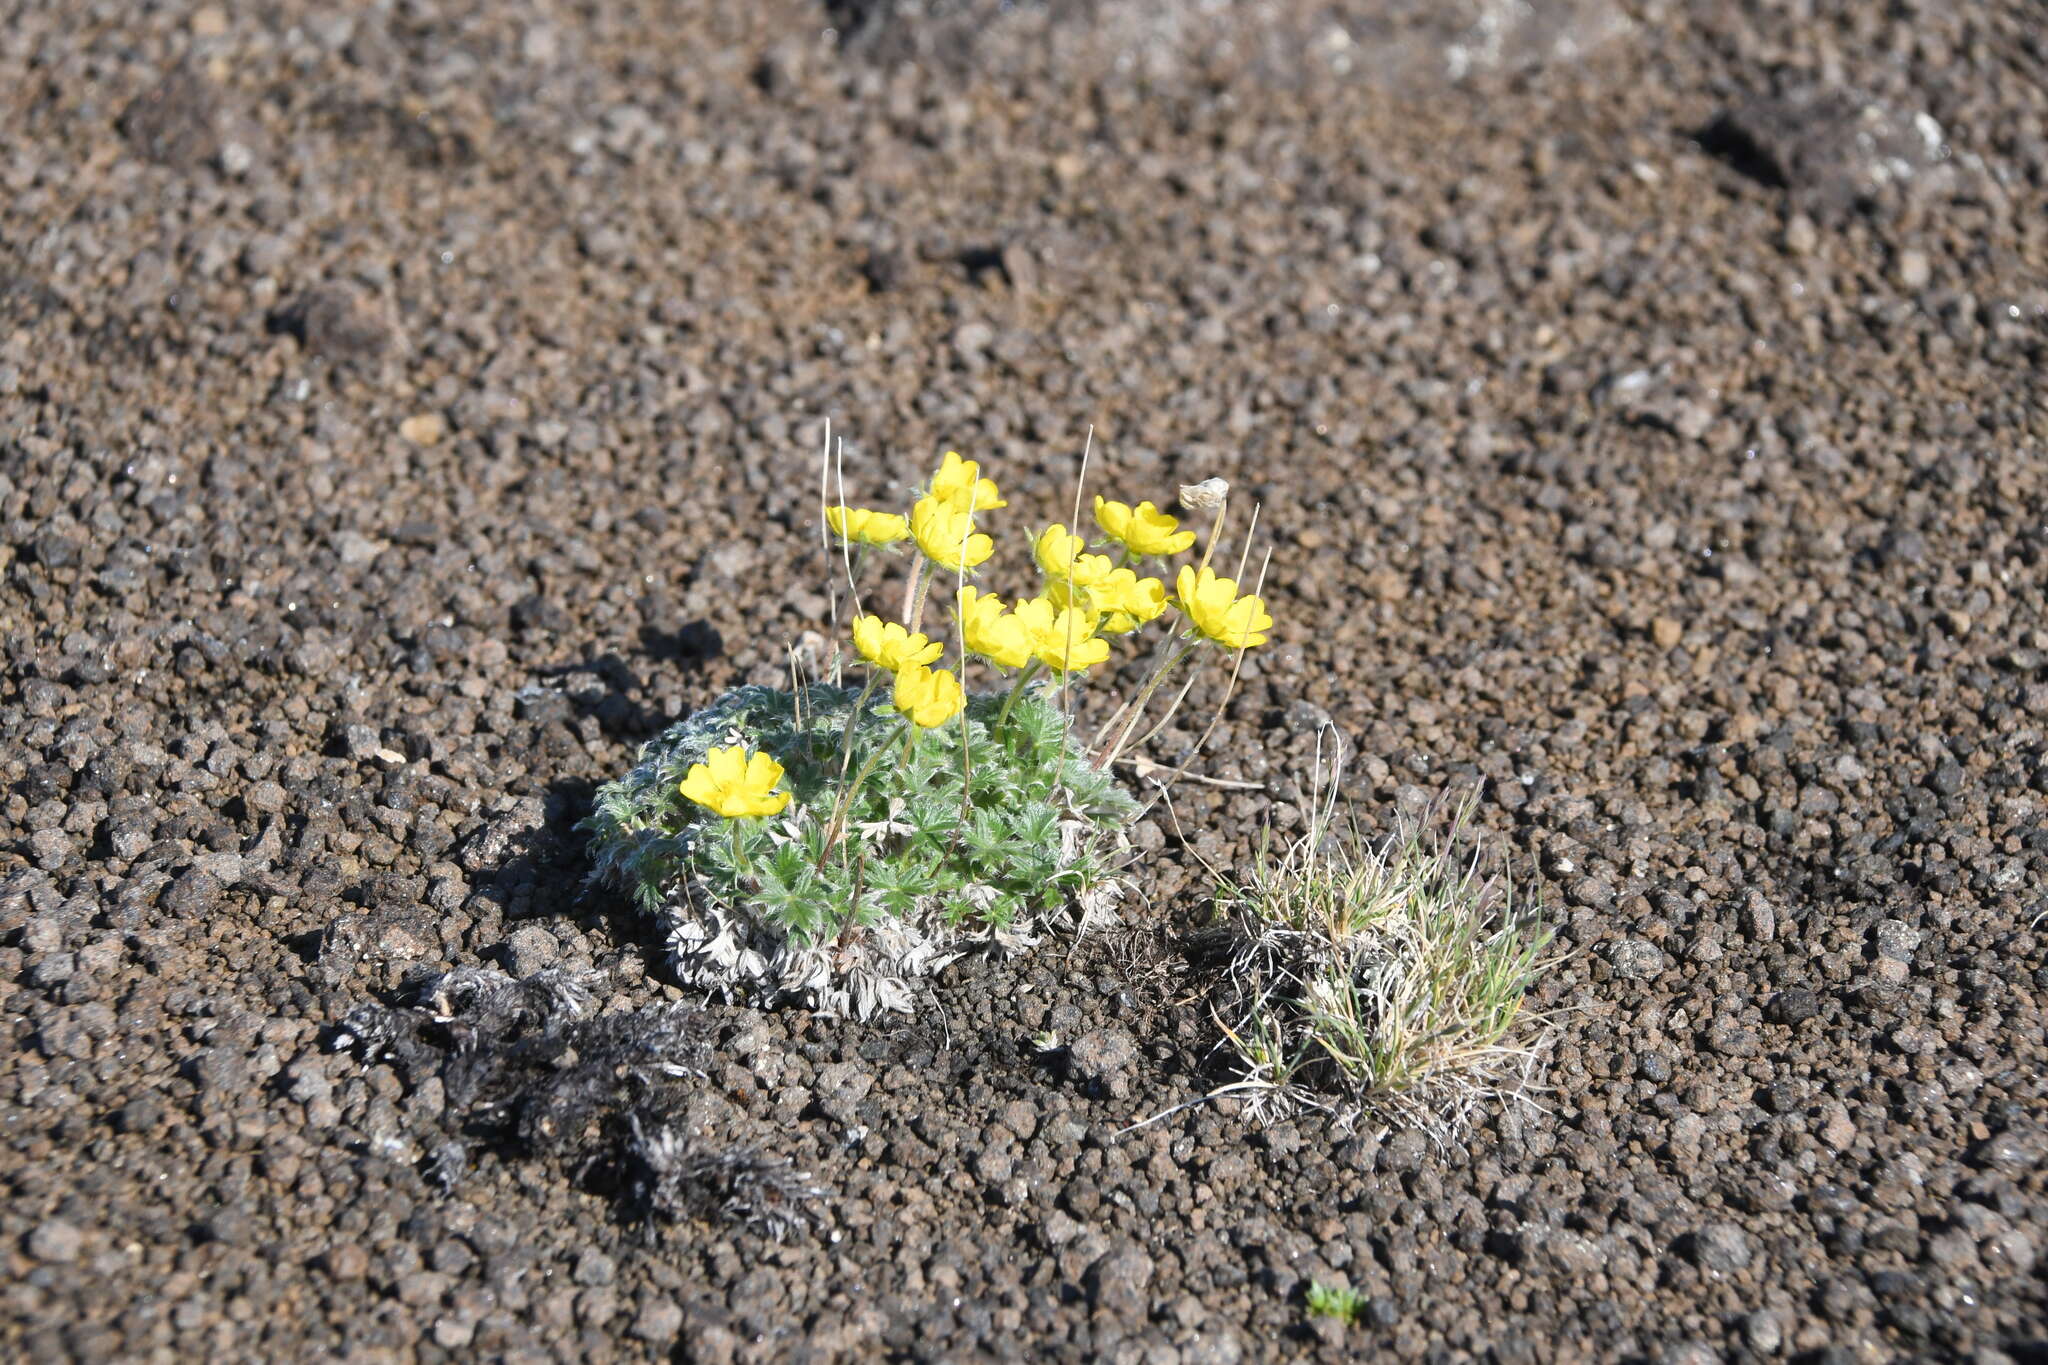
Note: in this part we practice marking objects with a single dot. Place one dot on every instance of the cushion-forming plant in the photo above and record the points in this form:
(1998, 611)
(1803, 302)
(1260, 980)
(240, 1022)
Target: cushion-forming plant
(827, 843)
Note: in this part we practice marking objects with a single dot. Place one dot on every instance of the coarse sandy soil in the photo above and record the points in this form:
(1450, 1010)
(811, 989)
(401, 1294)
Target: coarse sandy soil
(407, 409)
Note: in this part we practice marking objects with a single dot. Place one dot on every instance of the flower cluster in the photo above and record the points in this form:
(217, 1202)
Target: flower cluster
(1085, 593)
(913, 812)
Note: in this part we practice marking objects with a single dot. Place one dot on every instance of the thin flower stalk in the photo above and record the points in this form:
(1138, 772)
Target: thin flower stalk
(1024, 676)
(835, 830)
(1236, 664)
(1159, 675)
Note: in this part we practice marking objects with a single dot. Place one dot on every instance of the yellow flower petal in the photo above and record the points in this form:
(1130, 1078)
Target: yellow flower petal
(947, 536)
(1062, 637)
(1128, 601)
(763, 772)
(728, 766)
(733, 784)
(864, 526)
(1144, 530)
(888, 645)
(959, 486)
(929, 697)
(1217, 613)
(987, 630)
(1058, 552)
(699, 787)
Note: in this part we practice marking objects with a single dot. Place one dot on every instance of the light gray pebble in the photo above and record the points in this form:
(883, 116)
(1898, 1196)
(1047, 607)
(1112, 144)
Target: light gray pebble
(56, 1242)
(1722, 1248)
(1636, 959)
(1897, 939)
(1761, 1332)
(1759, 917)
(530, 949)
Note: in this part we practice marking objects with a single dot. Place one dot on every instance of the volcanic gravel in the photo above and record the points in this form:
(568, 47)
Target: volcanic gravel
(408, 409)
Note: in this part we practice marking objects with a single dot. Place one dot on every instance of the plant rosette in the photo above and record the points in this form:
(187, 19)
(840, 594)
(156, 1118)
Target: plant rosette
(757, 908)
(826, 845)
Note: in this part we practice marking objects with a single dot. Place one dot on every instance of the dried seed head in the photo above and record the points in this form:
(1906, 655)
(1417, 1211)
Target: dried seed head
(1205, 496)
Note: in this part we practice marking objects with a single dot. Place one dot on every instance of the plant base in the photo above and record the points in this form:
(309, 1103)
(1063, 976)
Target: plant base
(936, 856)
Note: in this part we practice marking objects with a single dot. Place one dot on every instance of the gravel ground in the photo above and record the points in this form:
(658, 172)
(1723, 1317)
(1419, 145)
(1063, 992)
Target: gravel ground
(406, 410)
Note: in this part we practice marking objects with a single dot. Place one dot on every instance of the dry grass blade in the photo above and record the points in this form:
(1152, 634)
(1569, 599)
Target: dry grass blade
(1385, 978)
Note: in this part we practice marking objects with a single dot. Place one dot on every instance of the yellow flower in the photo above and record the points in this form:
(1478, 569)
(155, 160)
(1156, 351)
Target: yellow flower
(734, 784)
(1063, 637)
(1127, 601)
(959, 485)
(1119, 602)
(1063, 594)
(1143, 530)
(928, 696)
(989, 631)
(1058, 553)
(888, 645)
(1217, 612)
(859, 525)
(947, 536)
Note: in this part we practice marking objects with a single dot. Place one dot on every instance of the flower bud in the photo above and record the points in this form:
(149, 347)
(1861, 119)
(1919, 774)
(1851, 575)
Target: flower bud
(1206, 496)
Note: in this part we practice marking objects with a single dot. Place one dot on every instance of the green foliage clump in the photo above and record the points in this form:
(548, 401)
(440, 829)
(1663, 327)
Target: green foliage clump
(942, 843)
(1343, 1303)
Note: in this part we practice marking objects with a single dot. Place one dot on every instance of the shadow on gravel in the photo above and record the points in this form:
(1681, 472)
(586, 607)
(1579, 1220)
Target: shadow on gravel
(691, 644)
(1728, 141)
(608, 689)
(526, 859)
(528, 1062)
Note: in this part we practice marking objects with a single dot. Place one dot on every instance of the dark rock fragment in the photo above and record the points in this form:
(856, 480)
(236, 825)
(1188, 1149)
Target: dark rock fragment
(1897, 940)
(2011, 1149)
(1722, 1248)
(1404, 1151)
(840, 1089)
(1636, 959)
(537, 613)
(884, 270)
(1117, 1283)
(338, 322)
(193, 894)
(1100, 1058)
(1794, 1006)
(531, 949)
(177, 122)
(55, 549)
(223, 1069)
(514, 826)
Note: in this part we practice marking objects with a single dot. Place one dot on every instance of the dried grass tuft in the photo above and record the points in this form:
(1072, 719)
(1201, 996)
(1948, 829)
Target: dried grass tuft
(1385, 978)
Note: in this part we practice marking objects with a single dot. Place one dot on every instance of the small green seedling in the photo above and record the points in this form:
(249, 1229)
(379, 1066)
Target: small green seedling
(1344, 1304)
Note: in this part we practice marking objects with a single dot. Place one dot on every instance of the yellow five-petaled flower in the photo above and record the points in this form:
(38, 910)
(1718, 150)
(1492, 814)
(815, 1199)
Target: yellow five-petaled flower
(928, 696)
(1217, 613)
(947, 536)
(734, 784)
(864, 526)
(888, 645)
(1062, 636)
(1058, 552)
(989, 631)
(1127, 601)
(959, 485)
(1144, 530)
